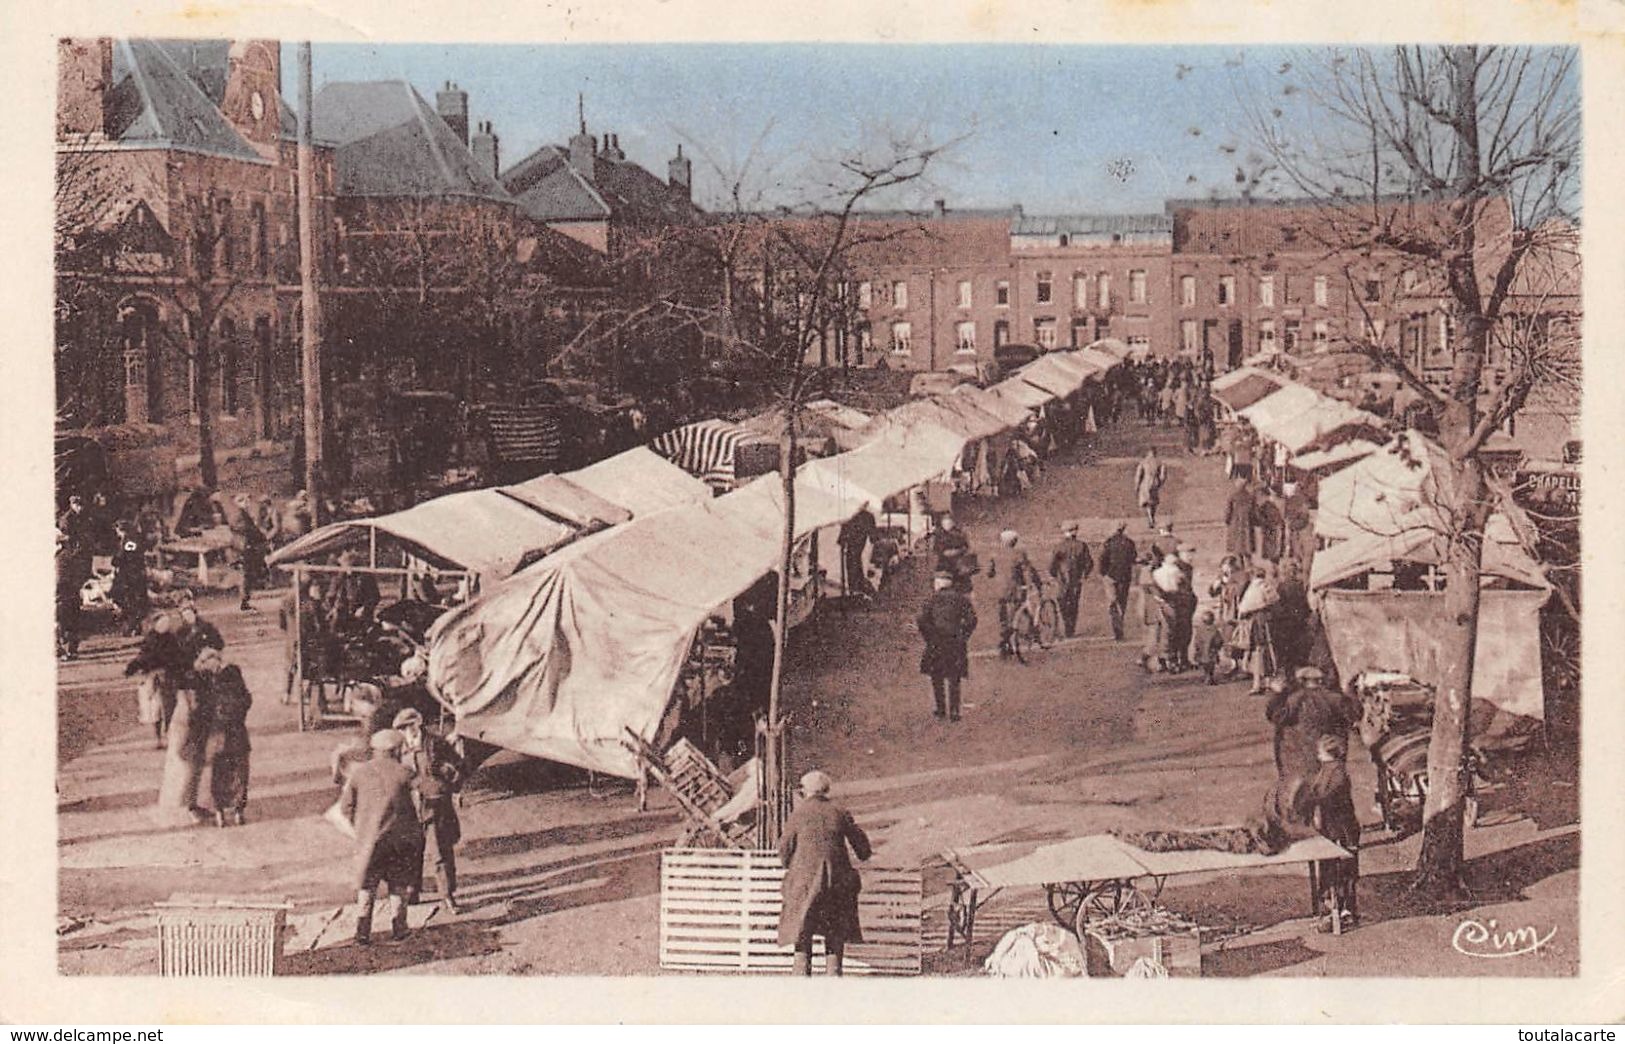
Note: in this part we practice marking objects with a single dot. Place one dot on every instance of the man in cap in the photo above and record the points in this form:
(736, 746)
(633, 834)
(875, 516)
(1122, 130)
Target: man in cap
(1070, 564)
(377, 799)
(1118, 557)
(437, 775)
(1013, 571)
(953, 554)
(946, 622)
(820, 884)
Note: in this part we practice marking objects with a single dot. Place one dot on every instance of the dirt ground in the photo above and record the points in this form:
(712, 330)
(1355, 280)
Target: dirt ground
(561, 873)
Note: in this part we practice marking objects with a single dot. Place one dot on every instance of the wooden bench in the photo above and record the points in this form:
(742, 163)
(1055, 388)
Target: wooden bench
(719, 913)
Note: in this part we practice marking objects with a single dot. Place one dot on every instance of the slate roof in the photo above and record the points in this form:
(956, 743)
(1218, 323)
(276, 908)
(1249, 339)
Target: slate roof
(549, 189)
(1092, 224)
(390, 142)
(161, 98)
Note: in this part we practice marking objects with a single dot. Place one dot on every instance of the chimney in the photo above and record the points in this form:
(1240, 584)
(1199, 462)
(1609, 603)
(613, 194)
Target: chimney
(1016, 211)
(680, 174)
(940, 209)
(452, 104)
(484, 148)
(583, 146)
(84, 72)
(612, 147)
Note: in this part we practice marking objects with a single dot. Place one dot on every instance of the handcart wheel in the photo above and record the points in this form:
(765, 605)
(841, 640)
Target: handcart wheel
(1065, 901)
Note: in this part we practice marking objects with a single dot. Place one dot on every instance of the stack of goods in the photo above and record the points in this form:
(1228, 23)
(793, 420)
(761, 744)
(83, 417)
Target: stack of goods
(1166, 939)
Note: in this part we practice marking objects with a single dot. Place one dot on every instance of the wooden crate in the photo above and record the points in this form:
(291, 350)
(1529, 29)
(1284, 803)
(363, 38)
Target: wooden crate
(1179, 952)
(719, 912)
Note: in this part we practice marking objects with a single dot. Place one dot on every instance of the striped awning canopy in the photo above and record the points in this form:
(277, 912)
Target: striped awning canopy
(706, 449)
(524, 434)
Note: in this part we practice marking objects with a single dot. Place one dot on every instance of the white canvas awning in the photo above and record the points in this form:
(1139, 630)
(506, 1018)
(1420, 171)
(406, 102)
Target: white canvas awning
(642, 481)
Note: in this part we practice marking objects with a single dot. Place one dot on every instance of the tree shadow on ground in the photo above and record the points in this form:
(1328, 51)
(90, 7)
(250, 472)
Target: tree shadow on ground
(434, 942)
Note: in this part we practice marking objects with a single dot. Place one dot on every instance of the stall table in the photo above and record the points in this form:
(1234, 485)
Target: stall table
(1102, 874)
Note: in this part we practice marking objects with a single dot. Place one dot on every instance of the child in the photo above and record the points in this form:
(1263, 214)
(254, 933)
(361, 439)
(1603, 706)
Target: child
(1206, 641)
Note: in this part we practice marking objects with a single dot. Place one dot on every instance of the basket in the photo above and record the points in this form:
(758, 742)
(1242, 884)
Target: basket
(218, 936)
(1114, 944)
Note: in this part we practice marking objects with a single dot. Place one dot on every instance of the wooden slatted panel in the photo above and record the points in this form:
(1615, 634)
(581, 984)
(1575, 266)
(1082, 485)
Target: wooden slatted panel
(719, 912)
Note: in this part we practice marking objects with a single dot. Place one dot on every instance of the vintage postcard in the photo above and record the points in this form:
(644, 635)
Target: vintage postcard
(695, 496)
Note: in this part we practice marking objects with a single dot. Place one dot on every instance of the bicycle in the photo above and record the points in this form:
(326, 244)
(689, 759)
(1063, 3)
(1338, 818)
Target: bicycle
(1036, 621)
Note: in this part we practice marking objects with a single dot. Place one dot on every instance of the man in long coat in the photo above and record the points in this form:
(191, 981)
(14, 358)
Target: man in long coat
(820, 885)
(1239, 512)
(1071, 564)
(377, 799)
(1149, 477)
(1271, 529)
(1117, 565)
(946, 622)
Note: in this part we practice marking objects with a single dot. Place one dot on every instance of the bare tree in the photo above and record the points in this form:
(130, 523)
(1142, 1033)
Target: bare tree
(1456, 169)
(206, 282)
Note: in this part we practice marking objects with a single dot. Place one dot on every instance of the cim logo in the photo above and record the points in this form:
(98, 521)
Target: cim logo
(1477, 939)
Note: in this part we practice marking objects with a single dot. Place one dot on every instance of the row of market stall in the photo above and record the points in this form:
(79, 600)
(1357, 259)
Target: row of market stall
(1383, 524)
(562, 659)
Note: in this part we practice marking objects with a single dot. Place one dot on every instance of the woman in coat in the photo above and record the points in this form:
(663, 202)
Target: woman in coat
(820, 885)
(222, 687)
(1149, 478)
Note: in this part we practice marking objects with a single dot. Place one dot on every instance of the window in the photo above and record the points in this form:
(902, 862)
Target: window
(1080, 333)
(1046, 287)
(1187, 291)
(143, 362)
(1227, 290)
(1001, 293)
(1136, 286)
(1001, 333)
(1322, 335)
(902, 338)
(1320, 290)
(1266, 291)
(228, 367)
(965, 337)
(1293, 332)
(1286, 289)
(1373, 291)
(899, 294)
(1103, 292)
(1413, 340)
(225, 252)
(1080, 291)
(260, 257)
(866, 340)
(1375, 328)
(1187, 335)
(1266, 335)
(262, 372)
(1409, 279)
(1447, 335)
(1139, 343)
(1044, 333)
(866, 295)
(964, 293)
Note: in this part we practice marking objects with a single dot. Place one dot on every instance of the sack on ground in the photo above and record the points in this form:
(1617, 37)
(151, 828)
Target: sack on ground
(1036, 951)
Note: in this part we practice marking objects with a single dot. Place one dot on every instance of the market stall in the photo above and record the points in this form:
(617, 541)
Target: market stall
(641, 481)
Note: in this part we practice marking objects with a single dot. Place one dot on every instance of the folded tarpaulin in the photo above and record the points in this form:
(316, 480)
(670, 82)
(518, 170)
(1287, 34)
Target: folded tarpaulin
(1398, 631)
(1023, 394)
(560, 497)
(641, 481)
(481, 530)
(561, 660)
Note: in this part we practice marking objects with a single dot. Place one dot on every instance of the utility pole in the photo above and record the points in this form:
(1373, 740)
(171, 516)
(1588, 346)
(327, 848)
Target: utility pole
(310, 329)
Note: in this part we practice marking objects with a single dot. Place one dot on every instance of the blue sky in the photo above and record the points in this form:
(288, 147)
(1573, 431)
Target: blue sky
(1040, 123)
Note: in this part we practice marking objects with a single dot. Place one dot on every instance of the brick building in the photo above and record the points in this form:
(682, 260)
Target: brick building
(176, 198)
(1085, 277)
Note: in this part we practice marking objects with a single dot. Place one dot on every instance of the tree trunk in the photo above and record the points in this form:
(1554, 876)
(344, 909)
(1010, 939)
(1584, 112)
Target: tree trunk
(1440, 865)
(779, 784)
(204, 369)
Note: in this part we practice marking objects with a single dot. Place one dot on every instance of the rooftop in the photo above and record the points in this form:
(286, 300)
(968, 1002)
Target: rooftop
(393, 143)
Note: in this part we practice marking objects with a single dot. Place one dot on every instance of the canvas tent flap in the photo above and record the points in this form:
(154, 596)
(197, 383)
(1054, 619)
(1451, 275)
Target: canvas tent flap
(1241, 388)
(759, 504)
(1012, 414)
(908, 434)
(1504, 556)
(1342, 453)
(1113, 346)
(1019, 392)
(1049, 373)
(1382, 492)
(873, 472)
(480, 530)
(558, 661)
(1395, 631)
(641, 481)
(1100, 360)
(979, 423)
